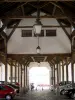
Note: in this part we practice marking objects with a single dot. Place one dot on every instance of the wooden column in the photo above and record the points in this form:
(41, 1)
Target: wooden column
(57, 64)
(24, 75)
(5, 41)
(72, 71)
(18, 73)
(11, 71)
(15, 71)
(59, 72)
(62, 71)
(54, 75)
(66, 70)
(21, 75)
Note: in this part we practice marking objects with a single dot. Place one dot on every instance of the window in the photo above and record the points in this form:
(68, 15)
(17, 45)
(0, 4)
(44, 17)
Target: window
(50, 32)
(26, 33)
(2, 88)
(41, 35)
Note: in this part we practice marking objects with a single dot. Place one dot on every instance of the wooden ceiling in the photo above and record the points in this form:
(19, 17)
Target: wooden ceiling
(13, 11)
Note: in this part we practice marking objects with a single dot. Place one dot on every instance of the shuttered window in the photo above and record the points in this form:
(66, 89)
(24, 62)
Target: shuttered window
(26, 33)
(50, 32)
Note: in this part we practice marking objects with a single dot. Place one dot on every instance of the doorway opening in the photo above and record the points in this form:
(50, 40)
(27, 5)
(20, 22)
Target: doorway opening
(39, 76)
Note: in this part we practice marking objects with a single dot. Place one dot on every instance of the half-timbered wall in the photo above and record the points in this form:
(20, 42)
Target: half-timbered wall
(49, 45)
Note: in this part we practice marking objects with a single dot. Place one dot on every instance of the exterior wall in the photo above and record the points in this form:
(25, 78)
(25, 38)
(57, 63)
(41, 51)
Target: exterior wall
(49, 45)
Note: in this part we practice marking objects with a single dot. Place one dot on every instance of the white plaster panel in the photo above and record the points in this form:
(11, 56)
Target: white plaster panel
(49, 45)
(45, 21)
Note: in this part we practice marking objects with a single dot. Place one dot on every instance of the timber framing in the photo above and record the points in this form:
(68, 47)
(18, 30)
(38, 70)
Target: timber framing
(12, 11)
(69, 37)
(48, 26)
(29, 0)
(13, 30)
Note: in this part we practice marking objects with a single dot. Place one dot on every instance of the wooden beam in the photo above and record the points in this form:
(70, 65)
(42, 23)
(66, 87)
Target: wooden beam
(44, 5)
(69, 37)
(13, 30)
(54, 9)
(32, 5)
(48, 26)
(33, 58)
(49, 55)
(22, 7)
(45, 59)
(66, 12)
(3, 34)
(30, 0)
(3, 27)
(22, 17)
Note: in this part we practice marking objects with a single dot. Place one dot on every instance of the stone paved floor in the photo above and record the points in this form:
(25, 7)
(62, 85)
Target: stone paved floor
(40, 95)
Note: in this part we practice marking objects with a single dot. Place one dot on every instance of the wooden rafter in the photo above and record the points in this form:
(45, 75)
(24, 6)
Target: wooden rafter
(14, 28)
(69, 37)
(22, 7)
(3, 27)
(54, 9)
(66, 12)
(14, 9)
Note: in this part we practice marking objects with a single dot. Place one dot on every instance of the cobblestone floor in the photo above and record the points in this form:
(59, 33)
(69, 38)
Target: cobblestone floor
(40, 95)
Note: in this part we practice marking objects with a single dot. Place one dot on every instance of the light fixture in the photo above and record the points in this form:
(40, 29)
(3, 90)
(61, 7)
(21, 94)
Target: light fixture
(38, 25)
(38, 49)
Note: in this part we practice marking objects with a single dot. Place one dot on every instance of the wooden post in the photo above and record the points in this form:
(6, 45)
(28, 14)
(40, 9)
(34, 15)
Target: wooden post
(11, 71)
(57, 64)
(24, 75)
(15, 72)
(5, 40)
(66, 70)
(62, 71)
(72, 69)
(18, 73)
(21, 75)
(54, 76)
(59, 72)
